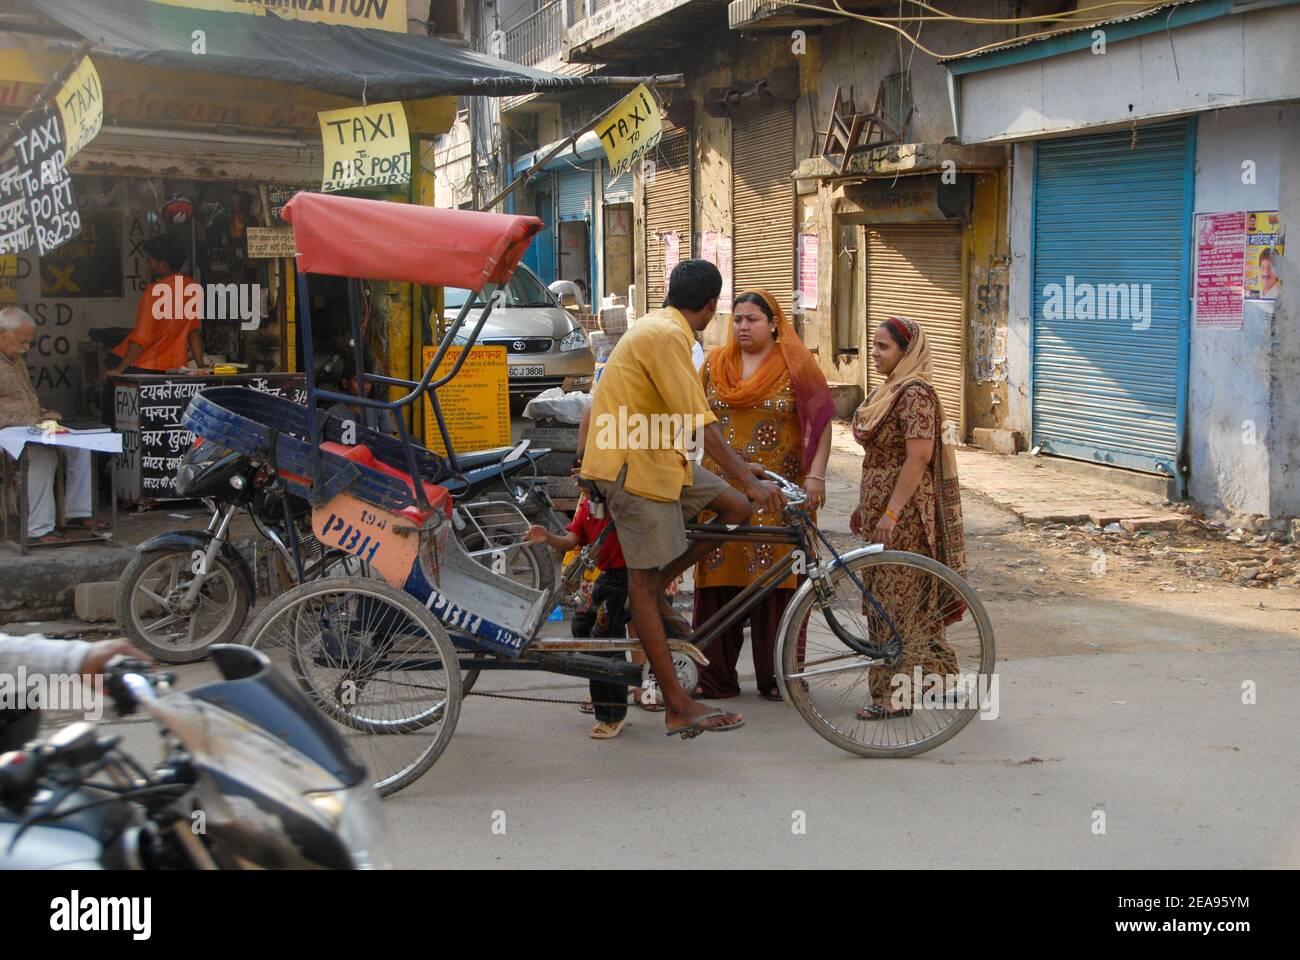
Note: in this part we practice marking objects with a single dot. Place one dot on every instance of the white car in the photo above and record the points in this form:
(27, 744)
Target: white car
(545, 346)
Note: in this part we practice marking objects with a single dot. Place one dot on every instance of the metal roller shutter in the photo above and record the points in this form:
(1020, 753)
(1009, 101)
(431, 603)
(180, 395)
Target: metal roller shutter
(618, 190)
(762, 199)
(667, 210)
(1112, 209)
(573, 194)
(914, 270)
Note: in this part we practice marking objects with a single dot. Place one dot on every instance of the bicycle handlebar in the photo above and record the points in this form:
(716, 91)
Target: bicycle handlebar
(793, 493)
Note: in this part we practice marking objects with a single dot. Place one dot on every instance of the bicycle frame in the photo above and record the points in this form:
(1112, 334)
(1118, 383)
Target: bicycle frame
(704, 636)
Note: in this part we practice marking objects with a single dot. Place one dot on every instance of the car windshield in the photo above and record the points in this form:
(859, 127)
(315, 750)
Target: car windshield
(522, 290)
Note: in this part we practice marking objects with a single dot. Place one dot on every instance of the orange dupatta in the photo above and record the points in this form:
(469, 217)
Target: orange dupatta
(813, 401)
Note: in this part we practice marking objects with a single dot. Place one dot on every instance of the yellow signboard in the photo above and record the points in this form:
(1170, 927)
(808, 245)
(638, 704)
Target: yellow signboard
(475, 404)
(81, 105)
(371, 14)
(631, 130)
(365, 147)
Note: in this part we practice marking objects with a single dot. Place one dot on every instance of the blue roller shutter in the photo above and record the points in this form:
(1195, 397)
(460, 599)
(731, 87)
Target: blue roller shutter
(1112, 223)
(615, 190)
(573, 200)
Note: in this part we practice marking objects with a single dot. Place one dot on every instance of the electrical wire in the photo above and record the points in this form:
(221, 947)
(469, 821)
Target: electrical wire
(875, 21)
(1038, 18)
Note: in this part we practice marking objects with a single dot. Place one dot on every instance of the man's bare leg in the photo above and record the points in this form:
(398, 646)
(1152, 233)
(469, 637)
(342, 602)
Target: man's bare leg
(732, 507)
(645, 591)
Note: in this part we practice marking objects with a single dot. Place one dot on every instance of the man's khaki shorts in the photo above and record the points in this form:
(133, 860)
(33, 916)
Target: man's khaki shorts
(653, 532)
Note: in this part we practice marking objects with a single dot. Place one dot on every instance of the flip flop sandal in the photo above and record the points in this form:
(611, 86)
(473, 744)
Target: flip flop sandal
(689, 731)
(874, 711)
(587, 707)
(607, 731)
(88, 523)
(773, 695)
(49, 538)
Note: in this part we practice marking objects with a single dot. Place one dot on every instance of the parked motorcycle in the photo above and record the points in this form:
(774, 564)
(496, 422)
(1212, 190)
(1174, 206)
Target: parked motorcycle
(254, 777)
(186, 590)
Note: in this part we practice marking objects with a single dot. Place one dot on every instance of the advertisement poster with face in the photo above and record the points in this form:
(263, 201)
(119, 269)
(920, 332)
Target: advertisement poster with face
(1264, 243)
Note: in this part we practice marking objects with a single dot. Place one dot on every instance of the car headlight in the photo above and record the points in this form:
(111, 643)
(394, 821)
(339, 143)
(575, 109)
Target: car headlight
(356, 817)
(575, 339)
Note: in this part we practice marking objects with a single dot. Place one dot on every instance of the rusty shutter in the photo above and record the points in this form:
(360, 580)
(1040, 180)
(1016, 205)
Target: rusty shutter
(762, 199)
(914, 270)
(667, 210)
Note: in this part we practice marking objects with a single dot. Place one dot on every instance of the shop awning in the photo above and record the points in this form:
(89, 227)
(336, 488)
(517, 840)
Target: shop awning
(374, 65)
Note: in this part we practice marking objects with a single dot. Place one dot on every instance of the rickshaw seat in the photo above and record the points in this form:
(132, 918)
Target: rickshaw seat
(438, 497)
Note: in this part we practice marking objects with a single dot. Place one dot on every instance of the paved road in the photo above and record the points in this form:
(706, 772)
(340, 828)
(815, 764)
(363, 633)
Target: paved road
(1186, 776)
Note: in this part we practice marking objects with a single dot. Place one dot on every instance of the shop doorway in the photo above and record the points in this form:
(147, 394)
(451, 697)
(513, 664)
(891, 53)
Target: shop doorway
(575, 259)
(618, 249)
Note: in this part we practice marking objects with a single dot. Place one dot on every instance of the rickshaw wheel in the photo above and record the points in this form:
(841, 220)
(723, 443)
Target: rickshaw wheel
(688, 674)
(376, 663)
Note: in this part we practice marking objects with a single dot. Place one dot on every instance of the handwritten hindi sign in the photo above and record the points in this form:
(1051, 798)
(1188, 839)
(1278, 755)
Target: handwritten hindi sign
(475, 404)
(631, 130)
(51, 210)
(15, 228)
(81, 106)
(365, 147)
(266, 243)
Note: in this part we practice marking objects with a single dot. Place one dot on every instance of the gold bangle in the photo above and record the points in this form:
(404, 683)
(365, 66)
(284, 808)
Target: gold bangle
(813, 476)
(891, 515)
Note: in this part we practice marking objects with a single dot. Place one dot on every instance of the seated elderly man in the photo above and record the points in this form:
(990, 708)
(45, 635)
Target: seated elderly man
(19, 407)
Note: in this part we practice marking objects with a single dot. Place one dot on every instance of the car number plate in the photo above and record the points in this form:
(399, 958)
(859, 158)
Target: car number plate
(531, 370)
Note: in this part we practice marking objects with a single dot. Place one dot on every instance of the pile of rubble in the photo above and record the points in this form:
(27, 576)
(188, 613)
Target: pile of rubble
(1256, 552)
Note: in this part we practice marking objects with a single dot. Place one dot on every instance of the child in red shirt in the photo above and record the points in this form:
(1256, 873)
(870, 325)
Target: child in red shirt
(606, 615)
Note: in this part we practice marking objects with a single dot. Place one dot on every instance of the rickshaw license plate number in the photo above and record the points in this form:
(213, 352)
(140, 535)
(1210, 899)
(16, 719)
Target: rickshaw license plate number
(532, 370)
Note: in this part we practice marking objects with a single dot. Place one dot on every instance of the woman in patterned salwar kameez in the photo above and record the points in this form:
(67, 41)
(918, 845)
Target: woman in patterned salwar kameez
(775, 407)
(909, 500)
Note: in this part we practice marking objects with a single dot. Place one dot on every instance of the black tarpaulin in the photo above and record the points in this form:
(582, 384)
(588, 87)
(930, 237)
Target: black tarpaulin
(376, 65)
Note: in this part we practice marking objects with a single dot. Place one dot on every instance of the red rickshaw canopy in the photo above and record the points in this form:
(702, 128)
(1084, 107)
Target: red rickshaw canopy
(382, 240)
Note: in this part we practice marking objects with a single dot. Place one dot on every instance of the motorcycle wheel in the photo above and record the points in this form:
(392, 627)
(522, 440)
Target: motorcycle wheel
(148, 605)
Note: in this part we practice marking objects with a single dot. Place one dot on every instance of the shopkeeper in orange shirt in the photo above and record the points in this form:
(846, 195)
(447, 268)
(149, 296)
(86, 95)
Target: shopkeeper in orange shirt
(163, 327)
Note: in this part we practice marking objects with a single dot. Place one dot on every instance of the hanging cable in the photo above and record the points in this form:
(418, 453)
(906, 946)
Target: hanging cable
(876, 21)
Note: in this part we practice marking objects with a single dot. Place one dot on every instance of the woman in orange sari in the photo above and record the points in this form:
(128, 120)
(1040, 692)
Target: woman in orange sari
(774, 406)
(909, 500)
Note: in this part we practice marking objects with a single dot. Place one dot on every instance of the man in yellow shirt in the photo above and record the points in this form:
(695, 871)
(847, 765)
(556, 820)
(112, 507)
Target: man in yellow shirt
(648, 420)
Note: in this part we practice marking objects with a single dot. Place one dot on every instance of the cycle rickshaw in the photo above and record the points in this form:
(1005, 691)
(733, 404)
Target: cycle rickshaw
(389, 658)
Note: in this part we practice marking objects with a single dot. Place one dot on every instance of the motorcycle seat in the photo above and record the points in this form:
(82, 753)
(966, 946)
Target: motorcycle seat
(481, 458)
(439, 498)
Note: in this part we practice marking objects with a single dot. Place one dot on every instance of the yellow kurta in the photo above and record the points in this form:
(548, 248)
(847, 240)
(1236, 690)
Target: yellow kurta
(768, 434)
